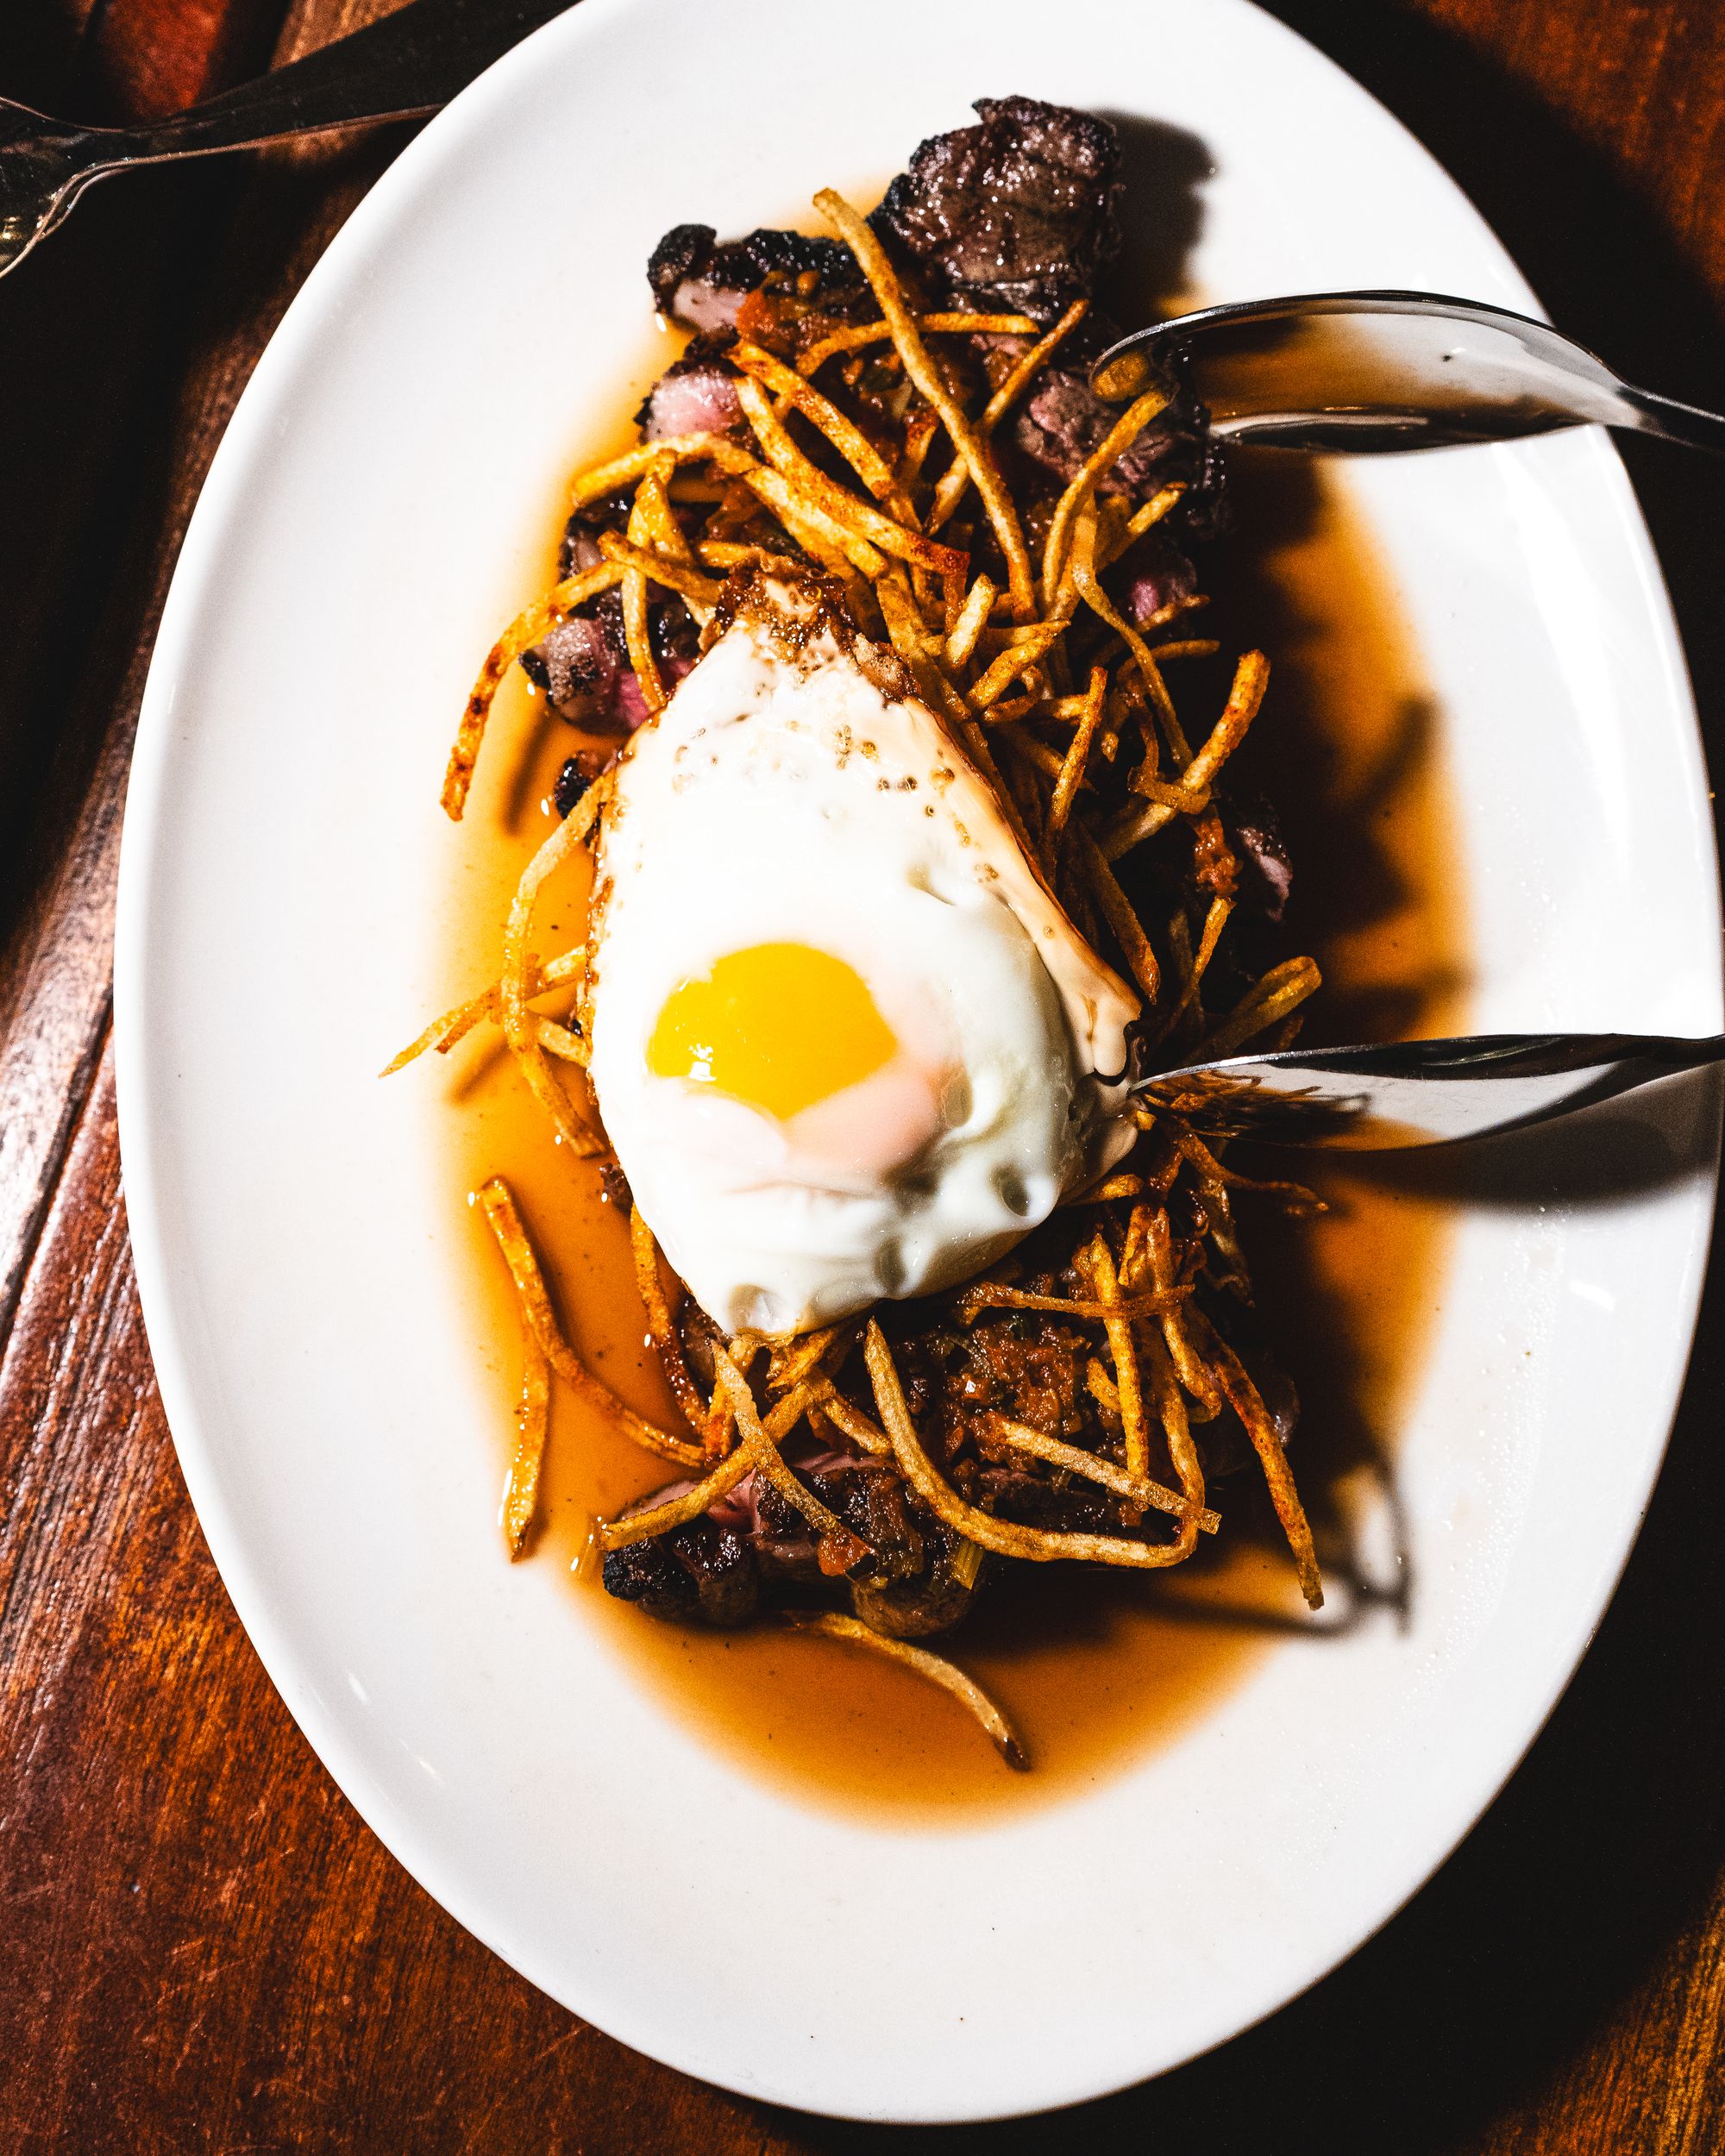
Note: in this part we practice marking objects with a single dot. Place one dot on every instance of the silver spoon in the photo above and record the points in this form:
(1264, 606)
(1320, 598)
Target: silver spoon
(1373, 371)
(411, 63)
(1419, 1092)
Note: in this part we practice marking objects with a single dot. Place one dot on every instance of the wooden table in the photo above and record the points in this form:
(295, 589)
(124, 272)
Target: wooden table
(200, 1945)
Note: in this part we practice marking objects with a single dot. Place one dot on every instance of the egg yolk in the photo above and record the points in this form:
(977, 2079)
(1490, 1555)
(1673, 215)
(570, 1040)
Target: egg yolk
(780, 1025)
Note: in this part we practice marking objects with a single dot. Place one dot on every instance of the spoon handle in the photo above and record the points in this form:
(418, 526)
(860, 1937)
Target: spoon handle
(1672, 422)
(411, 62)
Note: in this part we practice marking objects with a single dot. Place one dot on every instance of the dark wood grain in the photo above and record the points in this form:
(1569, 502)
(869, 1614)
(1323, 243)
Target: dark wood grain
(200, 1947)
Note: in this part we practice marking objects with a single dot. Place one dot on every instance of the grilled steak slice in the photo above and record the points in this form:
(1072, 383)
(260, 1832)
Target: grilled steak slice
(1019, 212)
(696, 394)
(1076, 1507)
(701, 285)
(578, 664)
(783, 1545)
(1155, 575)
(583, 665)
(1064, 420)
(933, 1600)
(755, 1545)
(1256, 838)
(874, 1501)
(700, 1573)
(1023, 1363)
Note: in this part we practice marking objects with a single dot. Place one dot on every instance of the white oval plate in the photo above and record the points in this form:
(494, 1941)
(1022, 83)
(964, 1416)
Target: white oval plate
(376, 509)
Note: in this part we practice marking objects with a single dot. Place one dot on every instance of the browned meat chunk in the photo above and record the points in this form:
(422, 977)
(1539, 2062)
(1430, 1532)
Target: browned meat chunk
(932, 1600)
(1156, 574)
(1256, 840)
(1072, 1507)
(701, 285)
(1066, 420)
(583, 665)
(756, 1542)
(1019, 212)
(700, 1574)
(697, 394)
(1024, 1364)
(578, 664)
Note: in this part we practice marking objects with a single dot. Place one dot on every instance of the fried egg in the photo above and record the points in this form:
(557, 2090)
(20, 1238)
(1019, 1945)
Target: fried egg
(844, 1039)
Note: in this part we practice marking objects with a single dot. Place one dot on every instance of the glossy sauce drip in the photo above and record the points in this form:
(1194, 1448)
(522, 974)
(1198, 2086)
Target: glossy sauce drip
(1093, 1668)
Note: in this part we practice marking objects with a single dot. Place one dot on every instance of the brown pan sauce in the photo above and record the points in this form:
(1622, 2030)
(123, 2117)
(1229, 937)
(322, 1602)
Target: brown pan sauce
(1093, 1667)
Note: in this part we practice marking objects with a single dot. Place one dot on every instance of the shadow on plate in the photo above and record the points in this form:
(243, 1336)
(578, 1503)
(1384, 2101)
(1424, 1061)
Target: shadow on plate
(1610, 1153)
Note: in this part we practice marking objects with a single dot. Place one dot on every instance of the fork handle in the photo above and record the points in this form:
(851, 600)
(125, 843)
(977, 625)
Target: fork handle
(411, 63)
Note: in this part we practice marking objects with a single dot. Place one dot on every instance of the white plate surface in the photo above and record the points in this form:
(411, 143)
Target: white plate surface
(374, 511)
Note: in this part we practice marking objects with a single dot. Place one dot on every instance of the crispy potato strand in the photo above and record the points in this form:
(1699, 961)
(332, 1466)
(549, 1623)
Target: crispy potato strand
(969, 444)
(798, 513)
(610, 478)
(1251, 679)
(559, 1041)
(955, 483)
(972, 619)
(660, 1329)
(636, 629)
(1138, 1488)
(659, 568)
(856, 336)
(1072, 769)
(1159, 1247)
(1017, 659)
(814, 489)
(1215, 921)
(642, 1521)
(1098, 1263)
(520, 1027)
(1176, 1429)
(455, 1025)
(851, 1420)
(532, 1422)
(838, 1548)
(1081, 564)
(523, 632)
(845, 435)
(1283, 989)
(1243, 1396)
(936, 1668)
(443, 1032)
(992, 1295)
(658, 519)
(1006, 1537)
(498, 1203)
(1118, 913)
(1108, 451)
(676, 1512)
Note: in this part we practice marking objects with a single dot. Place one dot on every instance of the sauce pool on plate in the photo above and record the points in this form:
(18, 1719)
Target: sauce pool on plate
(1092, 1668)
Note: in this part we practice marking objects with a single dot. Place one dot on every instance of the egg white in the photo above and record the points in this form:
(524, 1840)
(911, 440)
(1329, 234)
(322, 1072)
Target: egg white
(803, 798)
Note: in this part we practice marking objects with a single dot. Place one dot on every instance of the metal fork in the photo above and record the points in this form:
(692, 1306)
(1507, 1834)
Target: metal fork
(400, 68)
(1420, 1093)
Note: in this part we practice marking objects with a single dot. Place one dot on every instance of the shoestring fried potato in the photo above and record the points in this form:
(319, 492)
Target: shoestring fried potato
(1057, 697)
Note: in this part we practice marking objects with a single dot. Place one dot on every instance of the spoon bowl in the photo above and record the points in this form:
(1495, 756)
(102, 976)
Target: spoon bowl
(1365, 372)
